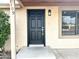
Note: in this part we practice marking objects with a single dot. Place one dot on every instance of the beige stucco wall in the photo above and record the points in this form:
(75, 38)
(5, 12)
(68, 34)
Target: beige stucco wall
(53, 28)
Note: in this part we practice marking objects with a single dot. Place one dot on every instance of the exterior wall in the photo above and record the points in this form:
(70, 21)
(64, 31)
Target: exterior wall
(21, 33)
(53, 28)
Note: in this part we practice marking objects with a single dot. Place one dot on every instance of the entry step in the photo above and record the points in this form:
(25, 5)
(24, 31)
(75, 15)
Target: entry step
(38, 45)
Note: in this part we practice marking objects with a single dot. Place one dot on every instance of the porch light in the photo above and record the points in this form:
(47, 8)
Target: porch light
(49, 12)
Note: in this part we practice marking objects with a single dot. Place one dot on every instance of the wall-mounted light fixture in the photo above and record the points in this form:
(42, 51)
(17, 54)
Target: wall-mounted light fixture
(49, 12)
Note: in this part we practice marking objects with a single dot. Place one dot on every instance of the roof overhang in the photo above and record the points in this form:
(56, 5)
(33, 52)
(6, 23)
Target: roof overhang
(22, 3)
(50, 2)
(18, 4)
(8, 6)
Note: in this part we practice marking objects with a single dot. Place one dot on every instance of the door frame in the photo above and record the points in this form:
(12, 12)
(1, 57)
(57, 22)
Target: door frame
(28, 28)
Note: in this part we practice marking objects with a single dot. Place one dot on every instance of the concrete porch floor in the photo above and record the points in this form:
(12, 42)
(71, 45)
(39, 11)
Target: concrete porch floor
(47, 53)
(66, 53)
(35, 53)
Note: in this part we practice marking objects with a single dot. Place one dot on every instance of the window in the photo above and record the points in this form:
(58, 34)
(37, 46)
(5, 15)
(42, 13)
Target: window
(70, 22)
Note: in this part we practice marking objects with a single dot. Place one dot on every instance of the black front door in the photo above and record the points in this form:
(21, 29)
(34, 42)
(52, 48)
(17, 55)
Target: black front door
(36, 26)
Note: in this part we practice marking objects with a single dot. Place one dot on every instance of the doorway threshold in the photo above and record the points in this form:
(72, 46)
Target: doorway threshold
(36, 45)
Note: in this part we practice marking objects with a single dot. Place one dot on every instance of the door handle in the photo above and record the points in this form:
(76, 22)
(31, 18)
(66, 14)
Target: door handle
(42, 31)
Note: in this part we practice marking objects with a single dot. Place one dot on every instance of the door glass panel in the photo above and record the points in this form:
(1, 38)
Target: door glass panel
(33, 23)
(33, 35)
(39, 23)
(39, 35)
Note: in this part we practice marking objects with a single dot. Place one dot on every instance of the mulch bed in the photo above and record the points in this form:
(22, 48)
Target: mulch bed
(7, 55)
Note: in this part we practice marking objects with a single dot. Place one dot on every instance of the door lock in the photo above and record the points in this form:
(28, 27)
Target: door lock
(42, 31)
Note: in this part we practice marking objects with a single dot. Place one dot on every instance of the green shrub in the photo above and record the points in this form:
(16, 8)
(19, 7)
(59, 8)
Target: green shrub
(4, 28)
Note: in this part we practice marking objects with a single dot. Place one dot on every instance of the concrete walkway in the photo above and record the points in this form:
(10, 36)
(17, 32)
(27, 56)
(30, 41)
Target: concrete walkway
(35, 53)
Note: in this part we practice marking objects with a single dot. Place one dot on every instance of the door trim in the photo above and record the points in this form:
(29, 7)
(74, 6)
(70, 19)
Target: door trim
(28, 28)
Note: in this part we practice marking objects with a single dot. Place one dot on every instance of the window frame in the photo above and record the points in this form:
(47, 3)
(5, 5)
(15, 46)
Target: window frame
(60, 23)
